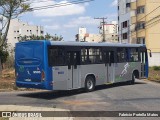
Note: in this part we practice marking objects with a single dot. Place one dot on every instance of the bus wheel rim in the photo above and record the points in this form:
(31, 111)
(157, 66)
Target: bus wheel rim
(89, 84)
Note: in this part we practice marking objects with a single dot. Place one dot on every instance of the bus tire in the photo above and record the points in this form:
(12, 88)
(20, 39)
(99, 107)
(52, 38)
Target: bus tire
(131, 82)
(89, 84)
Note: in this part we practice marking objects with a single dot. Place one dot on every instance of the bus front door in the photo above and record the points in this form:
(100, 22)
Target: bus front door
(73, 58)
(109, 66)
(143, 64)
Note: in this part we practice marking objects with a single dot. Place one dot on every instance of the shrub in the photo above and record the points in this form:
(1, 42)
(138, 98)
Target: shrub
(156, 68)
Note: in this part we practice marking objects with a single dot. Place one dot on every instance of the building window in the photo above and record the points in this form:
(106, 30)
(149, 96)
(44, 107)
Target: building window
(140, 25)
(128, 5)
(140, 10)
(125, 24)
(41, 32)
(124, 36)
(141, 40)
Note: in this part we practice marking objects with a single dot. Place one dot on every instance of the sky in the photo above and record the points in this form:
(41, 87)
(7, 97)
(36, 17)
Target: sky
(66, 20)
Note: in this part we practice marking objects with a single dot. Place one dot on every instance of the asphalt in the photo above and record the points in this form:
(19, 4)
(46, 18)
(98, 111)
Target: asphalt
(143, 96)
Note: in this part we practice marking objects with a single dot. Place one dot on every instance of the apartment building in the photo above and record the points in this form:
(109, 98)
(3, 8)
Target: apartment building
(139, 22)
(18, 28)
(110, 31)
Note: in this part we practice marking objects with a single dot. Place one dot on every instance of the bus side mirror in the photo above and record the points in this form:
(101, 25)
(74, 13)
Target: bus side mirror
(150, 53)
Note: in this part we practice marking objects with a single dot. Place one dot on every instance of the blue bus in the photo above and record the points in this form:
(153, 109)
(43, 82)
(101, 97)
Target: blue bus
(52, 65)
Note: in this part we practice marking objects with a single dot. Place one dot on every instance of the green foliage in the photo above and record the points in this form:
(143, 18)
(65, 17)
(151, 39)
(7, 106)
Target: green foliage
(156, 68)
(46, 37)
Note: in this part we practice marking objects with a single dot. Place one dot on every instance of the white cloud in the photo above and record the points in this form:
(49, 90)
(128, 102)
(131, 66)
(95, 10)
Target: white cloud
(82, 21)
(114, 3)
(52, 27)
(57, 11)
(112, 17)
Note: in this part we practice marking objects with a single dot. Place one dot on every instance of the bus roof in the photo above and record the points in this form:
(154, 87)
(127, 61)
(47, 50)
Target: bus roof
(74, 43)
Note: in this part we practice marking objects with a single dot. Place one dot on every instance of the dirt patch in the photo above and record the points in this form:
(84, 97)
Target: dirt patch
(7, 81)
(81, 102)
(154, 75)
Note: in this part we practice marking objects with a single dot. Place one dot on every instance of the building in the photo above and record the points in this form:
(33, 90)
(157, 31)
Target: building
(19, 29)
(139, 23)
(110, 33)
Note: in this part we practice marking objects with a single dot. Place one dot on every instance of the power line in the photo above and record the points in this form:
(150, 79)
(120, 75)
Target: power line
(40, 1)
(60, 4)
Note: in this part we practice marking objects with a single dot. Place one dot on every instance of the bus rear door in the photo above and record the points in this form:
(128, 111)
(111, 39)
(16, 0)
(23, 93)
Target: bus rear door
(73, 61)
(109, 56)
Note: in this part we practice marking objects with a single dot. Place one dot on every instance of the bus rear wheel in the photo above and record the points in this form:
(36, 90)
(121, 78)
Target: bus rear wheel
(89, 84)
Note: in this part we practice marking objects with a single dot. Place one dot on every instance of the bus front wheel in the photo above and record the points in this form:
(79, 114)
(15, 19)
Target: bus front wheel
(133, 79)
(89, 84)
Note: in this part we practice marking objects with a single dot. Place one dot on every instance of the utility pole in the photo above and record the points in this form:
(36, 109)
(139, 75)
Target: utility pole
(103, 23)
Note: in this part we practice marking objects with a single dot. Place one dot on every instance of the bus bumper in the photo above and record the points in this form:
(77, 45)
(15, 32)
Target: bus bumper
(31, 85)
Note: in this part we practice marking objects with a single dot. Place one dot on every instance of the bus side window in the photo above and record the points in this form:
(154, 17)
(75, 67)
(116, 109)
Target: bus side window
(84, 56)
(121, 53)
(95, 55)
(134, 56)
(56, 57)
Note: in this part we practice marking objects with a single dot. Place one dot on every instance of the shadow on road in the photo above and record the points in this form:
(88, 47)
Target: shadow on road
(57, 94)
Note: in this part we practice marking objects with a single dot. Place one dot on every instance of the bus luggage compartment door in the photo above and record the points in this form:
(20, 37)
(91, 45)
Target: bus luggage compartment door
(73, 61)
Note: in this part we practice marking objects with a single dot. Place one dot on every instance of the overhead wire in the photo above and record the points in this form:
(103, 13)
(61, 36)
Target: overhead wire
(60, 4)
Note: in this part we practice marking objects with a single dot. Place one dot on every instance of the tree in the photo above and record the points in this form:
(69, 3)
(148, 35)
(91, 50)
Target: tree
(3, 55)
(10, 9)
(57, 38)
(48, 36)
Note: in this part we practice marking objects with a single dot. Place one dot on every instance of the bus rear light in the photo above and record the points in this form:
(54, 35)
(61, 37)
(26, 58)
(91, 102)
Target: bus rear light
(42, 75)
(51, 83)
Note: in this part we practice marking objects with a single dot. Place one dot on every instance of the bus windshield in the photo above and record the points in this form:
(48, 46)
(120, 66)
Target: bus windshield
(32, 54)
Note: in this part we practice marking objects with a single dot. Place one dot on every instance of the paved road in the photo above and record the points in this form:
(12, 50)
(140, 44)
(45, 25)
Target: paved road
(143, 96)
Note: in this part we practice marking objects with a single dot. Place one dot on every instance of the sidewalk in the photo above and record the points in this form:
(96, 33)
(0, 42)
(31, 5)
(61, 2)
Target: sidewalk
(30, 108)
